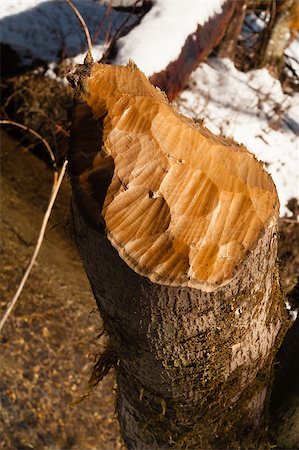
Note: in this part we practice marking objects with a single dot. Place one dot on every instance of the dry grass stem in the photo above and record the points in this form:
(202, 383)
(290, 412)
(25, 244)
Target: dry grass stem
(52, 199)
(289, 220)
(84, 26)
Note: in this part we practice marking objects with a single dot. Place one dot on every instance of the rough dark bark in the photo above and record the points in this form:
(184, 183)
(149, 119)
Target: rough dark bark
(193, 368)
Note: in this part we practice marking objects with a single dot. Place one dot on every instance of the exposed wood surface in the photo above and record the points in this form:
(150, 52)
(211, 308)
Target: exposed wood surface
(182, 206)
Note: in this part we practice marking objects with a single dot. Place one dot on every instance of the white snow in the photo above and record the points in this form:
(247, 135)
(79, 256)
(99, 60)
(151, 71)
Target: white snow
(163, 31)
(252, 108)
(293, 313)
(11, 7)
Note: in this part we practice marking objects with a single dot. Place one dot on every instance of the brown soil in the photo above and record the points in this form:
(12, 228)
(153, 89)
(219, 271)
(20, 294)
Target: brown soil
(46, 342)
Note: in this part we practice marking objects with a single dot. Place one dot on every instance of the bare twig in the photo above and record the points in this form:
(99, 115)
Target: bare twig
(107, 36)
(106, 14)
(289, 220)
(52, 199)
(117, 34)
(84, 26)
(55, 188)
(272, 15)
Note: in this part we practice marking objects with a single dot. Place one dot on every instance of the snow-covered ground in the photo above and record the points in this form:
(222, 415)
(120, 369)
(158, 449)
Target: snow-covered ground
(249, 107)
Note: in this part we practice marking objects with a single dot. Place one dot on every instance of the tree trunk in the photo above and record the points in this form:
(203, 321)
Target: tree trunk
(193, 368)
(283, 25)
(192, 354)
(228, 44)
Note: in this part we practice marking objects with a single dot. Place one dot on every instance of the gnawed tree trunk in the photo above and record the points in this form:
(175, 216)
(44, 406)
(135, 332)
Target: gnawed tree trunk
(177, 231)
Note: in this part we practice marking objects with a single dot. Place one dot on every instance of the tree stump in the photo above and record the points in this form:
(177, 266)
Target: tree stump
(176, 228)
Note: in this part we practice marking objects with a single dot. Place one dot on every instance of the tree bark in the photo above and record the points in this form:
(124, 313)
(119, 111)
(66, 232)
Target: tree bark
(228, 44)
(279, 33)
(193, 368)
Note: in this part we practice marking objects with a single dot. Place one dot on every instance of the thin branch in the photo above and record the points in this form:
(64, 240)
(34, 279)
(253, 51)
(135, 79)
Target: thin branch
(107, 13)
(84, 26)
(117, 33)
(52, 199)
(289, 220)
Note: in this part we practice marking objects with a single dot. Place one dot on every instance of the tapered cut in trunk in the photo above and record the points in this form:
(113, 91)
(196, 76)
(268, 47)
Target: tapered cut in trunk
(176, 228)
